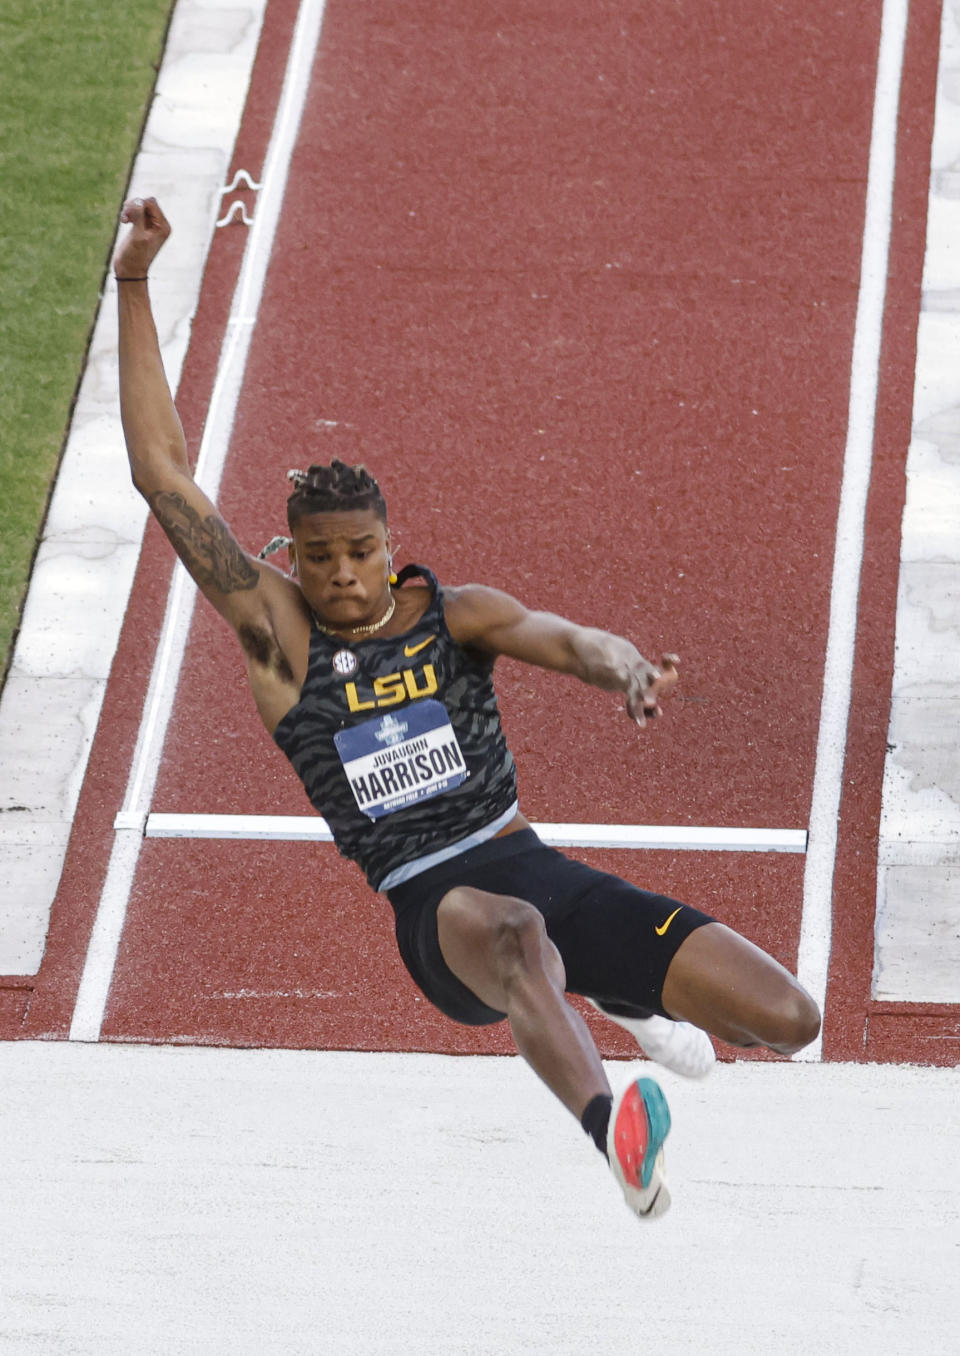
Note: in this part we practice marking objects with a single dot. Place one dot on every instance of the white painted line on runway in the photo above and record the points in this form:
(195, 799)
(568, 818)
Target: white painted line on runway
(311, 828)
(813, 957)
(111, 911)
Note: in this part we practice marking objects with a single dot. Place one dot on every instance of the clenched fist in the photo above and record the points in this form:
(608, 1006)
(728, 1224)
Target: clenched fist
(137, 251)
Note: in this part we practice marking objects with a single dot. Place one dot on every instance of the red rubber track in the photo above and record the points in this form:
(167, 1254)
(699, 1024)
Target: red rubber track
(579, 284)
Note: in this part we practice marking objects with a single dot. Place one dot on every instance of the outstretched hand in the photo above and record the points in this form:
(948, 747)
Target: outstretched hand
(648, 685)
(137, 251)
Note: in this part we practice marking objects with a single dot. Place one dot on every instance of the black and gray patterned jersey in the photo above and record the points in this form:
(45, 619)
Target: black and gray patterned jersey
(398, 742)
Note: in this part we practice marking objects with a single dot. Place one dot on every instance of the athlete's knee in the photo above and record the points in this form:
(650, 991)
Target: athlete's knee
(509, 933)
(794, 1021)
(520, 943)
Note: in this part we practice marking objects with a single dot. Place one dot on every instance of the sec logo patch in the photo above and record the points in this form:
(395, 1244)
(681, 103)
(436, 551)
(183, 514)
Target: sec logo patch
(345, 662)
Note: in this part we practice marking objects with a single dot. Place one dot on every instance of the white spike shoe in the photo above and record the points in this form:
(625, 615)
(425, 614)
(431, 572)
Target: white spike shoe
(676, 1045)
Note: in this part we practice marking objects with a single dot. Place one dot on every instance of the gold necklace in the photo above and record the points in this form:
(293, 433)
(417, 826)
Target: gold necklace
(359, 630)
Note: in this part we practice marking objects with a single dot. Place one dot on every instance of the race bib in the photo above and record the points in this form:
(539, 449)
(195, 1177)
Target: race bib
(396, 760)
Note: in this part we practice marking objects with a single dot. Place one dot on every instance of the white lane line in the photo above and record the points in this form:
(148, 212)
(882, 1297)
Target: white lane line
(311, 828)
(111, 911)
(816, 929)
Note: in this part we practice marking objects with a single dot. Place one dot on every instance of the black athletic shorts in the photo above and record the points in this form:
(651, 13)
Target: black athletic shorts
(616, 940)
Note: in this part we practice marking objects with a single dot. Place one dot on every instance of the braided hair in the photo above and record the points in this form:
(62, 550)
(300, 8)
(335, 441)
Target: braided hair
(337, 488)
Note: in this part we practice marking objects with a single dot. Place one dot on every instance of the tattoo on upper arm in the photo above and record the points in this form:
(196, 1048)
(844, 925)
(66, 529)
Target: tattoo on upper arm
(204, 545)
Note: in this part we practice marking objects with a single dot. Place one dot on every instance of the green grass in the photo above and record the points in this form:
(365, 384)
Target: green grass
(75, 82)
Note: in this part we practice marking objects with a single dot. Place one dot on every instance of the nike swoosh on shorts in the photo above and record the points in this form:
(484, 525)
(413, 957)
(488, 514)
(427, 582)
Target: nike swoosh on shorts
(661, 930)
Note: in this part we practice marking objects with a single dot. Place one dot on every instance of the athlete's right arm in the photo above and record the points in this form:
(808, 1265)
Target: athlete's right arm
(239, 587)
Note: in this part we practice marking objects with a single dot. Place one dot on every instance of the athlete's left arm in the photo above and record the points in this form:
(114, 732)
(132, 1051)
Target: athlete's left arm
(489, 620)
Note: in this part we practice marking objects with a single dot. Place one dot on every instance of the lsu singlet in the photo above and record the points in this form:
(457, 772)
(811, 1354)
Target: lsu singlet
(398, 742)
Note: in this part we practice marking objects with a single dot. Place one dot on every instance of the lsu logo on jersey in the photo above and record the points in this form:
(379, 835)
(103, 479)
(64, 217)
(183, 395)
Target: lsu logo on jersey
(393, 688)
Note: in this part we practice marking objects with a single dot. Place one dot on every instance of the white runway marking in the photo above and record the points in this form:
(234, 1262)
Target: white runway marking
(816, 929)
(294, 828)
(111, 912)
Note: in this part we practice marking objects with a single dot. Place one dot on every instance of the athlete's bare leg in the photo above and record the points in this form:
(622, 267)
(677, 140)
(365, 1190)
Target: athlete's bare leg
(724, 984)
(719, 981)
(499, 948)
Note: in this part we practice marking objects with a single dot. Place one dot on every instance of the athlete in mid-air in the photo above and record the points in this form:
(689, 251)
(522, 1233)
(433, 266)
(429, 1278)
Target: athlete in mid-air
(379, 691)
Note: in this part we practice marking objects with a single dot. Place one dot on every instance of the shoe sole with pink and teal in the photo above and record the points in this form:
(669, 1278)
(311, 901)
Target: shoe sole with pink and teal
(639, 1123)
